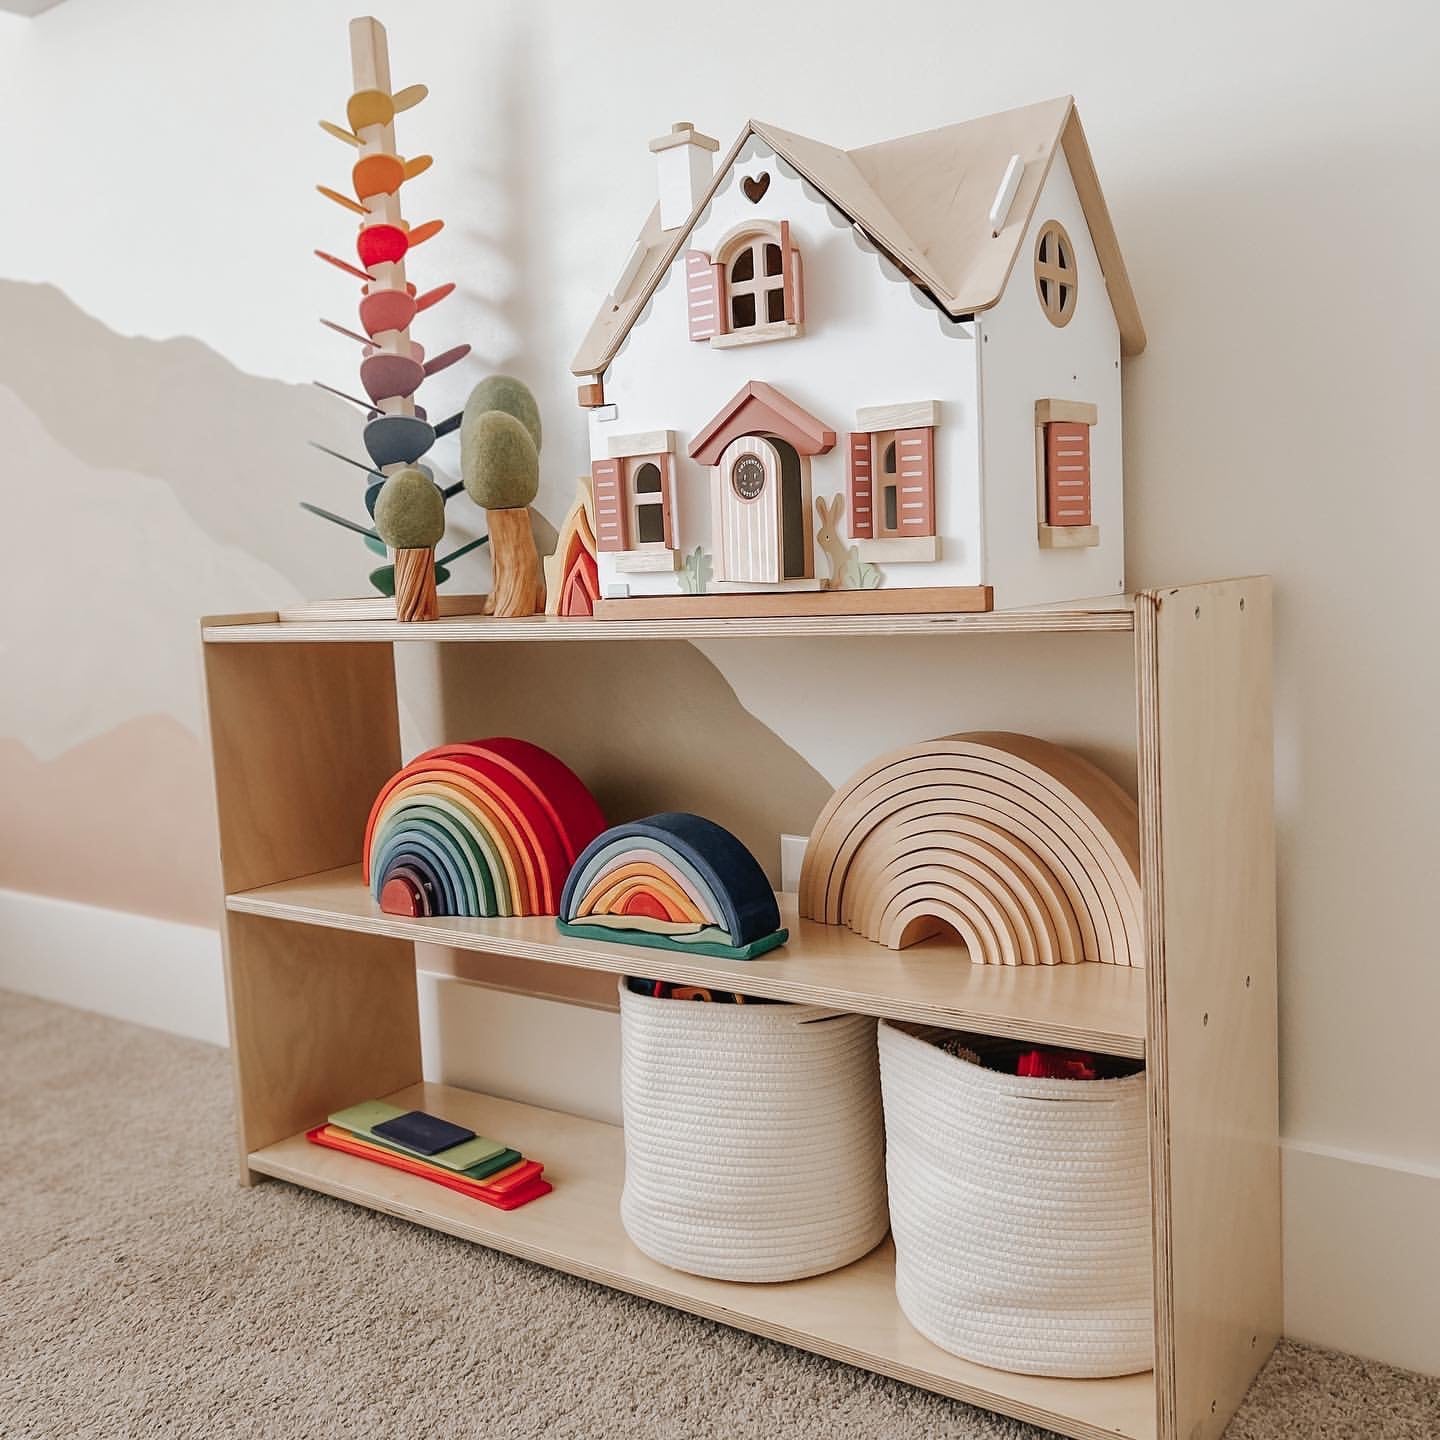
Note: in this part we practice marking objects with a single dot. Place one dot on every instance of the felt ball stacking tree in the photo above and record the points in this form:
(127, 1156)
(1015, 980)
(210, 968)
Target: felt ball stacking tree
(500, 466)
(407, 506)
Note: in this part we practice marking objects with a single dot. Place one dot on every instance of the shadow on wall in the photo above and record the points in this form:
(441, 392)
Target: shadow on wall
(163, 484)
(649, 726)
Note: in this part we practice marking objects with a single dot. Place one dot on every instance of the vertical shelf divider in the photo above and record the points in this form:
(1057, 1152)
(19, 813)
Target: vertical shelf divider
(303, 736)
(1203, 657)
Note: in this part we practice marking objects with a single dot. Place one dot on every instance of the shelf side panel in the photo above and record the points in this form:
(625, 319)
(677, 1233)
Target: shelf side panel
(319, 1019)
(302, 739)
(1208, 862)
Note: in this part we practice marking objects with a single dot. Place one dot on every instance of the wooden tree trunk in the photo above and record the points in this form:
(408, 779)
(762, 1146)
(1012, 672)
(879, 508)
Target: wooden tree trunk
(415, 597)
(517, 587)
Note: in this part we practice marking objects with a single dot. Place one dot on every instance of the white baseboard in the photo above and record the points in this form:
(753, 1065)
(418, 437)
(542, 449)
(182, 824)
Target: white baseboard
(1362, 1262)
(133, 967)
(1362, 1254)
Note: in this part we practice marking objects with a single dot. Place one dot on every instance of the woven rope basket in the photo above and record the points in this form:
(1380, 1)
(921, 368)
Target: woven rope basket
(754, 1143)
(1021, 1212)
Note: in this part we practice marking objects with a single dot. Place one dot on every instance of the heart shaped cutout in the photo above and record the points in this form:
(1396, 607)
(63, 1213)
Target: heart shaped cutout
(755, 186)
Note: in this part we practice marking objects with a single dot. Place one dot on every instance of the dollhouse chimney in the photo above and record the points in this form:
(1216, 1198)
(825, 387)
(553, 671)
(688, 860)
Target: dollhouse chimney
(684, 160)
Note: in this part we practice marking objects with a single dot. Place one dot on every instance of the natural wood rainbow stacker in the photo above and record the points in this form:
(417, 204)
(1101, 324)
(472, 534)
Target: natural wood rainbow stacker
(323, 1011)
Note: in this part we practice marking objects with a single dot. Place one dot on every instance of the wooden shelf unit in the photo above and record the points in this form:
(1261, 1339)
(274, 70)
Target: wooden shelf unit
(323, 1005)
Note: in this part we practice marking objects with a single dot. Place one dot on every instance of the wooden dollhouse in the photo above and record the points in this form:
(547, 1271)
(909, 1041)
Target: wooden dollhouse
(933, 422)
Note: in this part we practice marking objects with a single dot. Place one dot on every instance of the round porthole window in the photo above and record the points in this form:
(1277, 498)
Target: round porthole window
(747, 477)
(1056, 279)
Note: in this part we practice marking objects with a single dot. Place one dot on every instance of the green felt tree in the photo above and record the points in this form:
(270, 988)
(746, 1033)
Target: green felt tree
(500, 468)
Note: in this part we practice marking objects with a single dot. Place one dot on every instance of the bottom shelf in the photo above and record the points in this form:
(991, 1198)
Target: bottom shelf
(849, 1315)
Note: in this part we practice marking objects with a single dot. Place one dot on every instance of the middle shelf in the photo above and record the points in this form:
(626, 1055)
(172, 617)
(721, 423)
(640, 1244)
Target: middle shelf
(1085, 1007)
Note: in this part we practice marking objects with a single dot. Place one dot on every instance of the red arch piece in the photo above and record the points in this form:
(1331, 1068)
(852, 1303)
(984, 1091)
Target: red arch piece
(401, 897)
(567, 800)
(642, 902)
(381, 244)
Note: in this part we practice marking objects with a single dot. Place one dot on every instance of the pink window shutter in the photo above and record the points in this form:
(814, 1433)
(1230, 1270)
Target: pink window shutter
(790, 271)
(862, 516)
(667, 480)
(702, 295)
(1067, 473)
(915, 467)
(609, 505)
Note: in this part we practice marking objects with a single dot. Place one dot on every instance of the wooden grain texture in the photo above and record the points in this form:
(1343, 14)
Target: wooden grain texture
(302, 738)
(1111, 613)
(1099, 1007)
(1208, 865)
(787, 603)
(376, 607)
(849, 1315)
(318, 1020)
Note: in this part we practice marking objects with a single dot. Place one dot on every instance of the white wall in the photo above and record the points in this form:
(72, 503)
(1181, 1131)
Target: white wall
(1271, 169)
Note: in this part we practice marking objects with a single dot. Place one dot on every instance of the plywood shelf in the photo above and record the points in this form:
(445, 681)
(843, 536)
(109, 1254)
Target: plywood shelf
(849, 1315)
(1087, 1007)
(304, 727)
(1109, 614)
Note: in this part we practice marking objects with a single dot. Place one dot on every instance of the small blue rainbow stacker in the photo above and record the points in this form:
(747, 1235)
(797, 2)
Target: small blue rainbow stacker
(674, 882)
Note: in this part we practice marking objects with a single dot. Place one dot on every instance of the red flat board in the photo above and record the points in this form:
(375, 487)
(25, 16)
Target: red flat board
(501, 1199)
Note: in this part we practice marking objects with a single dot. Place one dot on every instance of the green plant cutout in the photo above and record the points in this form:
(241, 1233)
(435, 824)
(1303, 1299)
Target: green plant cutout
(858, 574)
(696, 574)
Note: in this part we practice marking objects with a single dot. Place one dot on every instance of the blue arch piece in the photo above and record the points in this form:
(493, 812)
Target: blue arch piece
(466, 853)
(424, 860)
(425, 840)
(731, 873)
(421, 870)
(417, 845)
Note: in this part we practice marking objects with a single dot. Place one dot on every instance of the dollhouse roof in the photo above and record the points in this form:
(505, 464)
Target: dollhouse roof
(922, 199)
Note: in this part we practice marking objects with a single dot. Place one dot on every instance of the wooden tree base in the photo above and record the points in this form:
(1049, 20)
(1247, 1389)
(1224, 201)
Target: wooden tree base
(415, 597)
(517, 587)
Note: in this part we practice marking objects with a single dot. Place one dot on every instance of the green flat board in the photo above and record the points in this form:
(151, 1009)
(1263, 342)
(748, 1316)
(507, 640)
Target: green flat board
(666, 942)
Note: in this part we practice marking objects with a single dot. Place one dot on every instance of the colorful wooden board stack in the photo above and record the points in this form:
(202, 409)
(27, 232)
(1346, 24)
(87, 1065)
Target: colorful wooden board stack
(1024, 849)
(435, 1150)
(674, 881)
(487, 828)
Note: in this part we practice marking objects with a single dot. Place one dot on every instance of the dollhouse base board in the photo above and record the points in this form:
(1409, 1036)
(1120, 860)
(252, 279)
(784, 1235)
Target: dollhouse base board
(375, 607)
(919, 601)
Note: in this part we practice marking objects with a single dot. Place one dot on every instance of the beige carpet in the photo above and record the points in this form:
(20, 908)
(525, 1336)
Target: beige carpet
(143, 1293)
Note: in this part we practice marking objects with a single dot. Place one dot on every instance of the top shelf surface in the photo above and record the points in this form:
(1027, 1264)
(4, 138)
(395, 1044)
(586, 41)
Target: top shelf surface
(1111, 613)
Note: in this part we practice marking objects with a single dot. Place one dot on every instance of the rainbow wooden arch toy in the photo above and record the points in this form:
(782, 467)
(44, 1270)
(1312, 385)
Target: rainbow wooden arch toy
(1024, 849)
(486, 828)
(675, 882)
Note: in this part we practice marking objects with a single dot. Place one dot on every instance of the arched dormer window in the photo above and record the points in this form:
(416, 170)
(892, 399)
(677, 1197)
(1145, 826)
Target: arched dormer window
(750, 290)
(755, 284)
